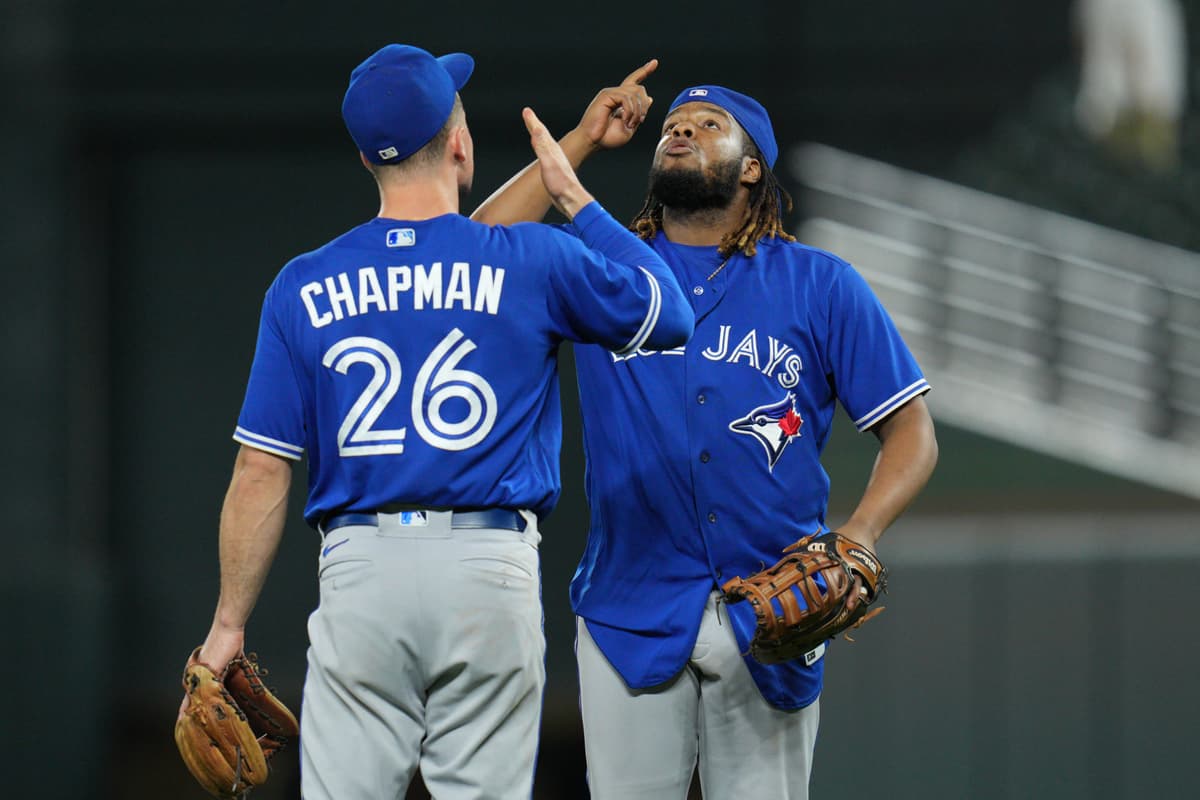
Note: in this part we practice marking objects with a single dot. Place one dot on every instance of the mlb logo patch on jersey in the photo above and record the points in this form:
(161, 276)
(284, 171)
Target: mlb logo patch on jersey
(413, 519)
(401, 237)
(698, 93)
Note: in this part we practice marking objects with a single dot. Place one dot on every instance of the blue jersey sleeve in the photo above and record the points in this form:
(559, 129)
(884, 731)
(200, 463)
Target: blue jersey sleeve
(609, 287)
(874, 373)
(272, 417)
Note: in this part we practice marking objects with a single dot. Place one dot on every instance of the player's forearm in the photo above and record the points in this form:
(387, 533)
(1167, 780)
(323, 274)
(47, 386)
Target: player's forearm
(523, 198)
(907, 455)
(252, 522)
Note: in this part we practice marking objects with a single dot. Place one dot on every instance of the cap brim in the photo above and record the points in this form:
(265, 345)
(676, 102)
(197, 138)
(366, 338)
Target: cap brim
(460, 66)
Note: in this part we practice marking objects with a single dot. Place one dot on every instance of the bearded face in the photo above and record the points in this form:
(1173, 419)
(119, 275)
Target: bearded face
(692, 188)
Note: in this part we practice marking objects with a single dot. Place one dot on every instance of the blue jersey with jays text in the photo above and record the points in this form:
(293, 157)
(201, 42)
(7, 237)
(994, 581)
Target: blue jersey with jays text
(703, 461)
(416, 362)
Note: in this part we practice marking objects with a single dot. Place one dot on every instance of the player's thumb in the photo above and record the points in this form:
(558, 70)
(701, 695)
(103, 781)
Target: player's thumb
(534, 125)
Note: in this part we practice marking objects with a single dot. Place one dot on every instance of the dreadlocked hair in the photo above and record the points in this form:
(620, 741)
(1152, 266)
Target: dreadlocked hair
(764, 218)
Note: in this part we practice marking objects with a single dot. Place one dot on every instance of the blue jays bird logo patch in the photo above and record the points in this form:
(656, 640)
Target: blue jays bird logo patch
(773, 425)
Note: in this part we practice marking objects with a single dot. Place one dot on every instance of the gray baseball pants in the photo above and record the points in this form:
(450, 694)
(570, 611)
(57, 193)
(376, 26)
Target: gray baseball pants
(645, 744)
(426, 651)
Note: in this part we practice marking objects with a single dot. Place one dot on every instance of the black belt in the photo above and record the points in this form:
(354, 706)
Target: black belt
(504, 519)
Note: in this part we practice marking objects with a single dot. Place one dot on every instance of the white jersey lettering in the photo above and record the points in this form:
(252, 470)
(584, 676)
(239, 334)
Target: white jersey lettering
(778, 351)
(793, 365)
(722, 346)
(487, 293)
(747, 348)
(399, 280)
(369, 291)
(307, 291)
(427, 286)
(339, 294)
(461, 288)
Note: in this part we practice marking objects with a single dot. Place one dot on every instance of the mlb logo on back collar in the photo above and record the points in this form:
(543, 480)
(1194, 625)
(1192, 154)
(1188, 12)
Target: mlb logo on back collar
(698, 93)
(401, 237)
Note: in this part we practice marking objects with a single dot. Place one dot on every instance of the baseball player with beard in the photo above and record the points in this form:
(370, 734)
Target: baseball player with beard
(703, 461)
(413, 360)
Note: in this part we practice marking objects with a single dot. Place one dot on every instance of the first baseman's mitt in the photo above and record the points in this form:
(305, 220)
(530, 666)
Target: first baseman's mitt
(232, 727)
(795, 615)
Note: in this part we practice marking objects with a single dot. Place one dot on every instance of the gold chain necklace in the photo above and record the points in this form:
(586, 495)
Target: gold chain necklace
(718, 269)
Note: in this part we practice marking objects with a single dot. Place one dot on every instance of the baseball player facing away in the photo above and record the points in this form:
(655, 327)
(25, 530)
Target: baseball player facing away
(413, 359)
(704, 460)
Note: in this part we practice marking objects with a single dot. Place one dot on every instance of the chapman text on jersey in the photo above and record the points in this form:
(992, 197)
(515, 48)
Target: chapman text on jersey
(461, 286)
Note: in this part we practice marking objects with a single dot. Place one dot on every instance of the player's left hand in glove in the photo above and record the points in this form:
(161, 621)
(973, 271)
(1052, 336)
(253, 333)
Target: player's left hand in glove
(231, 725)
(795, 613)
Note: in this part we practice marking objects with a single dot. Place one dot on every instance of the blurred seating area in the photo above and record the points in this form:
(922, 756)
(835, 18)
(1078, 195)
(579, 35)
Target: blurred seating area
(1041, 156)
(1043, 330)
(1142, 177)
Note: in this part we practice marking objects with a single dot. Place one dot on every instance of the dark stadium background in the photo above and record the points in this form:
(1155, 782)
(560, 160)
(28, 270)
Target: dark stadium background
(162, 161)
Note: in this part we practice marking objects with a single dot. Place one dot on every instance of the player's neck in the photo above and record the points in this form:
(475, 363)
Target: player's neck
(704, 227)
(418, 199)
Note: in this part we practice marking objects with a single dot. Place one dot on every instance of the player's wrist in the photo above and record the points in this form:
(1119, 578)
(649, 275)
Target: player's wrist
(572, 202)
(859, 533)
(227, 624)
(577, 145)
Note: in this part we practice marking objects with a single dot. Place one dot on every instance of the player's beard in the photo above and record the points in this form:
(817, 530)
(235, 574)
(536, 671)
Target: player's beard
(692, 189)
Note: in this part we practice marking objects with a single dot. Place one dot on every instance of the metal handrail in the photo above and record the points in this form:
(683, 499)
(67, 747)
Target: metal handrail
(1009, 305)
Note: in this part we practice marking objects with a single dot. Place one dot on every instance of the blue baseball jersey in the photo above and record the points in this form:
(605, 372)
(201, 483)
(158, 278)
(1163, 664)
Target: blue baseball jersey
(703, 461)
(416, 362)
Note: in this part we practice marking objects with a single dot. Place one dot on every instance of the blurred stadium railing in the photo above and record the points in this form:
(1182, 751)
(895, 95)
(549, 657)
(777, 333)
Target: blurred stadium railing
(1038, 329)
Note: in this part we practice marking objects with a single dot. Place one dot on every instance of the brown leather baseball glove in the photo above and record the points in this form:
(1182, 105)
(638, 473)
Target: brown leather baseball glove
(795, 614)
(232, 727)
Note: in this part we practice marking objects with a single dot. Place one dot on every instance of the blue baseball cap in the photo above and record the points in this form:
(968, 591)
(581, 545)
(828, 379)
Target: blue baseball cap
(748, 112)
(399, 98)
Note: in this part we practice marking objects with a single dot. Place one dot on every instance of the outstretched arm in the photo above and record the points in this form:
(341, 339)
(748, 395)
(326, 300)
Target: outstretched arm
(908, 453)
(609, 121)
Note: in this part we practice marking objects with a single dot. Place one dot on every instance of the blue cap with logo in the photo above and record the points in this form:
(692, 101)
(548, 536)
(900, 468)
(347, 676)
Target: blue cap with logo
(748, 112)
(399, 98)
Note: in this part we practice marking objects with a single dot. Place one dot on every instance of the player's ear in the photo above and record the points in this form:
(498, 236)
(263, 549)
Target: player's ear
(751, 170)
(363, 158)
(459, 144)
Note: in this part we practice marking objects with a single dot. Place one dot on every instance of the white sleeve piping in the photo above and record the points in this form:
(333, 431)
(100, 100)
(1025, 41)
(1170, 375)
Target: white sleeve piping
(892, 403)
(651, 318)
(260, 442)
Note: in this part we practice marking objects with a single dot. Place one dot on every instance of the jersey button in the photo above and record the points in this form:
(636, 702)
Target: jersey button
(712, 517)
(700, 399)
(697, 290)
(704, 457)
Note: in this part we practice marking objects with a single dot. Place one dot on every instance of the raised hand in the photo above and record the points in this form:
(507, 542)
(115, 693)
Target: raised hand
(560, 180)
(616, 112)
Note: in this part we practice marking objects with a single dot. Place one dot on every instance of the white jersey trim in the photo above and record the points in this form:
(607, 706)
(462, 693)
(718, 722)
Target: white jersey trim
(651, 316)
(891, 404)
(268, 444)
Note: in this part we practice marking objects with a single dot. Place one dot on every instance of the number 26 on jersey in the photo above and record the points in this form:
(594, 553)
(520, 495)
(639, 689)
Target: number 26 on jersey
(439, 379)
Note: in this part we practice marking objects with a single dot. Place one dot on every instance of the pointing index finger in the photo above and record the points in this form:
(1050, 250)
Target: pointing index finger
(641, 73)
